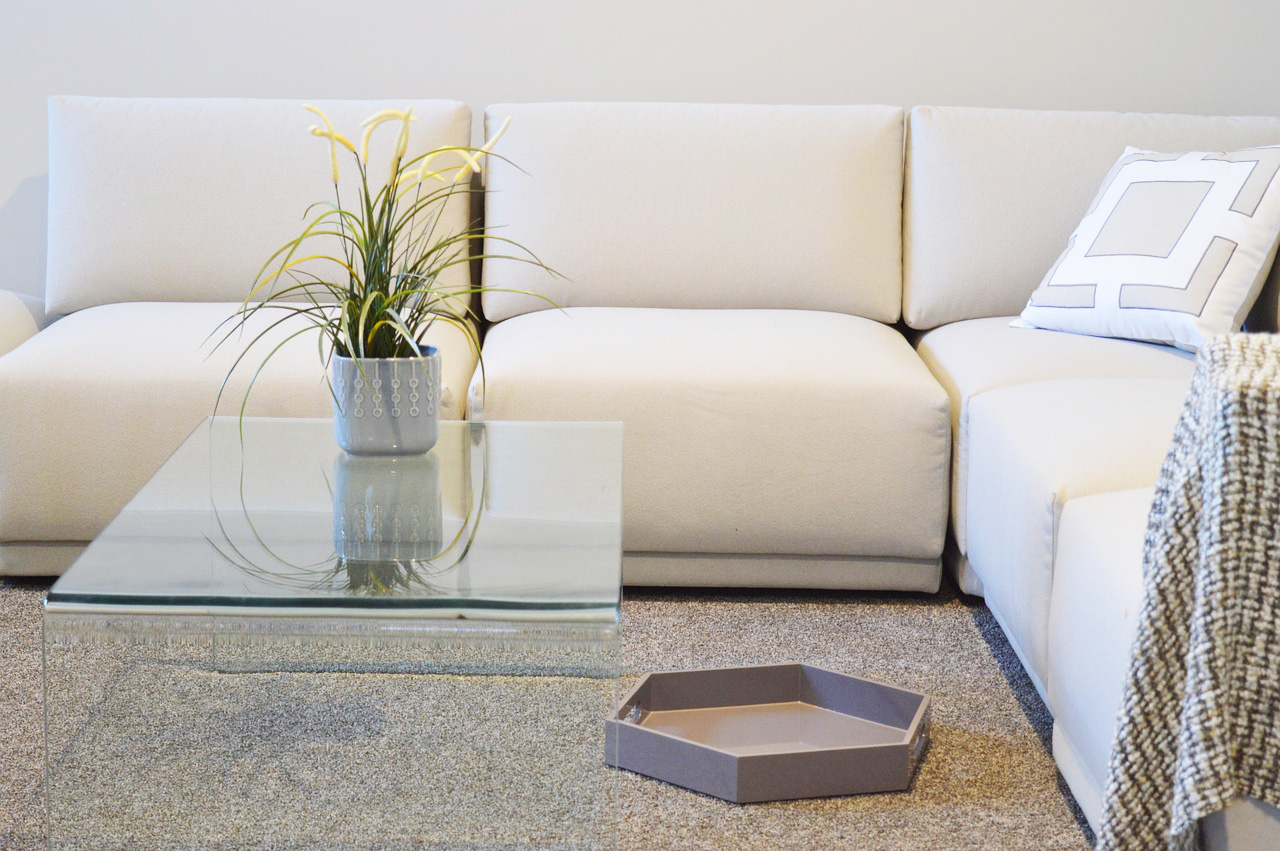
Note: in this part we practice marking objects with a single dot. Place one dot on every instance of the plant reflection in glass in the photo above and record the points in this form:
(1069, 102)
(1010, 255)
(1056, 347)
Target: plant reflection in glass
(387, 522)
(389, 527)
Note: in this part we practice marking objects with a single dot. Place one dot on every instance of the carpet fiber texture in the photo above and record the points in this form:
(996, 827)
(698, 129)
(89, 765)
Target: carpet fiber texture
(280, 744)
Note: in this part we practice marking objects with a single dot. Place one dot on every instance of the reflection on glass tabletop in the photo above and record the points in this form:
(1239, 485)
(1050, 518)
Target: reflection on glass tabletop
(502, 519)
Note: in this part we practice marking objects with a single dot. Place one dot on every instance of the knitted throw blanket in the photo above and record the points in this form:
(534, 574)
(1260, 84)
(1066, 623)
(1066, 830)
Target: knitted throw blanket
(1200, 723)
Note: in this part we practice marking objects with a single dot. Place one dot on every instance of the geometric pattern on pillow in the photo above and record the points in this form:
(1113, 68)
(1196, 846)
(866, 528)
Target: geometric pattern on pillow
(1174, 247)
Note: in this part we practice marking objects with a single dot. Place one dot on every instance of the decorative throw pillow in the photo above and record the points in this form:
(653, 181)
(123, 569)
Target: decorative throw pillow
(1174, 248)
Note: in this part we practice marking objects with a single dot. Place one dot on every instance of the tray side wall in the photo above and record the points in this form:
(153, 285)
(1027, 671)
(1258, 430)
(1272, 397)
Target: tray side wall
(672, 760)
(723, 687)
(822, 774)
(874, 701)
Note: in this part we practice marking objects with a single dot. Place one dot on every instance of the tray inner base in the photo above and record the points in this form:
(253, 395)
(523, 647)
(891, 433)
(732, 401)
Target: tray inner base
(762, 728)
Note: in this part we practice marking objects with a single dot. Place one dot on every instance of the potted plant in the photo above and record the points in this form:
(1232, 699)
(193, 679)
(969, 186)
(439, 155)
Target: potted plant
(373, 299)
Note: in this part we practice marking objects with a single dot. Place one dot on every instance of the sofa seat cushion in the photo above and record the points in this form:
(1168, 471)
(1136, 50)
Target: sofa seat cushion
(1032, 448)
(747, 431)
(93, 404)
(1093, 617)
(977, 355)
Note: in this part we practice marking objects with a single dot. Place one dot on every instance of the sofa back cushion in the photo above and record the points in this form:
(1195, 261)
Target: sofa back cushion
(993, 194)
(154, 199)
(697, 206)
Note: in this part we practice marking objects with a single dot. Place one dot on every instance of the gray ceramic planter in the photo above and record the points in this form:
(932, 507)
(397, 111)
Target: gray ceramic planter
(387, 406)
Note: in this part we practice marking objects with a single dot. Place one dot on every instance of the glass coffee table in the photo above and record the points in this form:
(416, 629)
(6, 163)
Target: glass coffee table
(277, 643)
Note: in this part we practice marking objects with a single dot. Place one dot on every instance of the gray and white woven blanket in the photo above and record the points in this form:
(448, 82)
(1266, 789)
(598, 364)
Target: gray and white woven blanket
(1200, 723)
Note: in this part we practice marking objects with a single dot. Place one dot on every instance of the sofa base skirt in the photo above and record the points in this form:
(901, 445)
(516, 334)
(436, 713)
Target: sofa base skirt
(861, 573)
(1086, 789)
(38, 558)
(1016, 646)
(961, 571)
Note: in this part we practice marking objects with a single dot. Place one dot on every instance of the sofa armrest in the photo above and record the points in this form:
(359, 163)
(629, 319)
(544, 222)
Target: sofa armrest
(20, 318)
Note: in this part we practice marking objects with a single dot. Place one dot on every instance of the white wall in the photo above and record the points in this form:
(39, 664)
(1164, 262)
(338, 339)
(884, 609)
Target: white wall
(1140, 55)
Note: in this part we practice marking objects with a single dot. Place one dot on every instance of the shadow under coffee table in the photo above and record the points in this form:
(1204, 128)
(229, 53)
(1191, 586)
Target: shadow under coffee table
(278, 644)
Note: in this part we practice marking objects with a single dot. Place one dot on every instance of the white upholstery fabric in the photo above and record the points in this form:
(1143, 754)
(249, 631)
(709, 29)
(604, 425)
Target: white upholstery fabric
(1032, 448)
(1071, 766)
(1174, 249)
(698, 205)
(977, 355)
(992, 195)
(17, 323)
(36, 307)
(185, 199)
(747, 431)
(1093, 616)
(92, 405)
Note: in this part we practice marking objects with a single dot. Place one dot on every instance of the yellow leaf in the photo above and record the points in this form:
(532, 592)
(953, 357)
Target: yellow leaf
(327, 133)
(472, 164)
(371, 123)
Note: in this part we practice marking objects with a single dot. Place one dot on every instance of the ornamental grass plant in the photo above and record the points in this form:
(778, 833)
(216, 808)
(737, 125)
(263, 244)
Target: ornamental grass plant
(382, 289)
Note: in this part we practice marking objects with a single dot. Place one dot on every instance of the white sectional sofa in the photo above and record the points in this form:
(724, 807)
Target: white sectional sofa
(801, 314)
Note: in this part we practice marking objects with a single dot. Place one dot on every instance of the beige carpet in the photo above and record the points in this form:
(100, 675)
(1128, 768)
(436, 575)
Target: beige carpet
(21, 717)
(277, 746)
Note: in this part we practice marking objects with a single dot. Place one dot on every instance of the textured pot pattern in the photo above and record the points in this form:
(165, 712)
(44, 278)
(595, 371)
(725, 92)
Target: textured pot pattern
(387, 508)
(387, 406)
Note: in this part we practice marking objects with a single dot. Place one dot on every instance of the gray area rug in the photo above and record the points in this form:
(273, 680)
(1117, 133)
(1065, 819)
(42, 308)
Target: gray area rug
(203, 759)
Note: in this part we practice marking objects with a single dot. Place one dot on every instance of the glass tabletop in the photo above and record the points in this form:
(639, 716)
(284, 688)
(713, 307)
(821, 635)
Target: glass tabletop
(510, 520)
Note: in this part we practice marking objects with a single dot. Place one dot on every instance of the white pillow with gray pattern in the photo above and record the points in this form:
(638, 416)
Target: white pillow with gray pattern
(1174, 248)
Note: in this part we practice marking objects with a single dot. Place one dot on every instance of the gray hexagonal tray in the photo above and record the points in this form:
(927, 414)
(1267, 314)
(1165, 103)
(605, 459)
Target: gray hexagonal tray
(770, 733)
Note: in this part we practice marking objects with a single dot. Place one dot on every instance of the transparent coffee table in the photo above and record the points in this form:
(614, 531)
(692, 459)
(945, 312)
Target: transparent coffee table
(278, 644)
